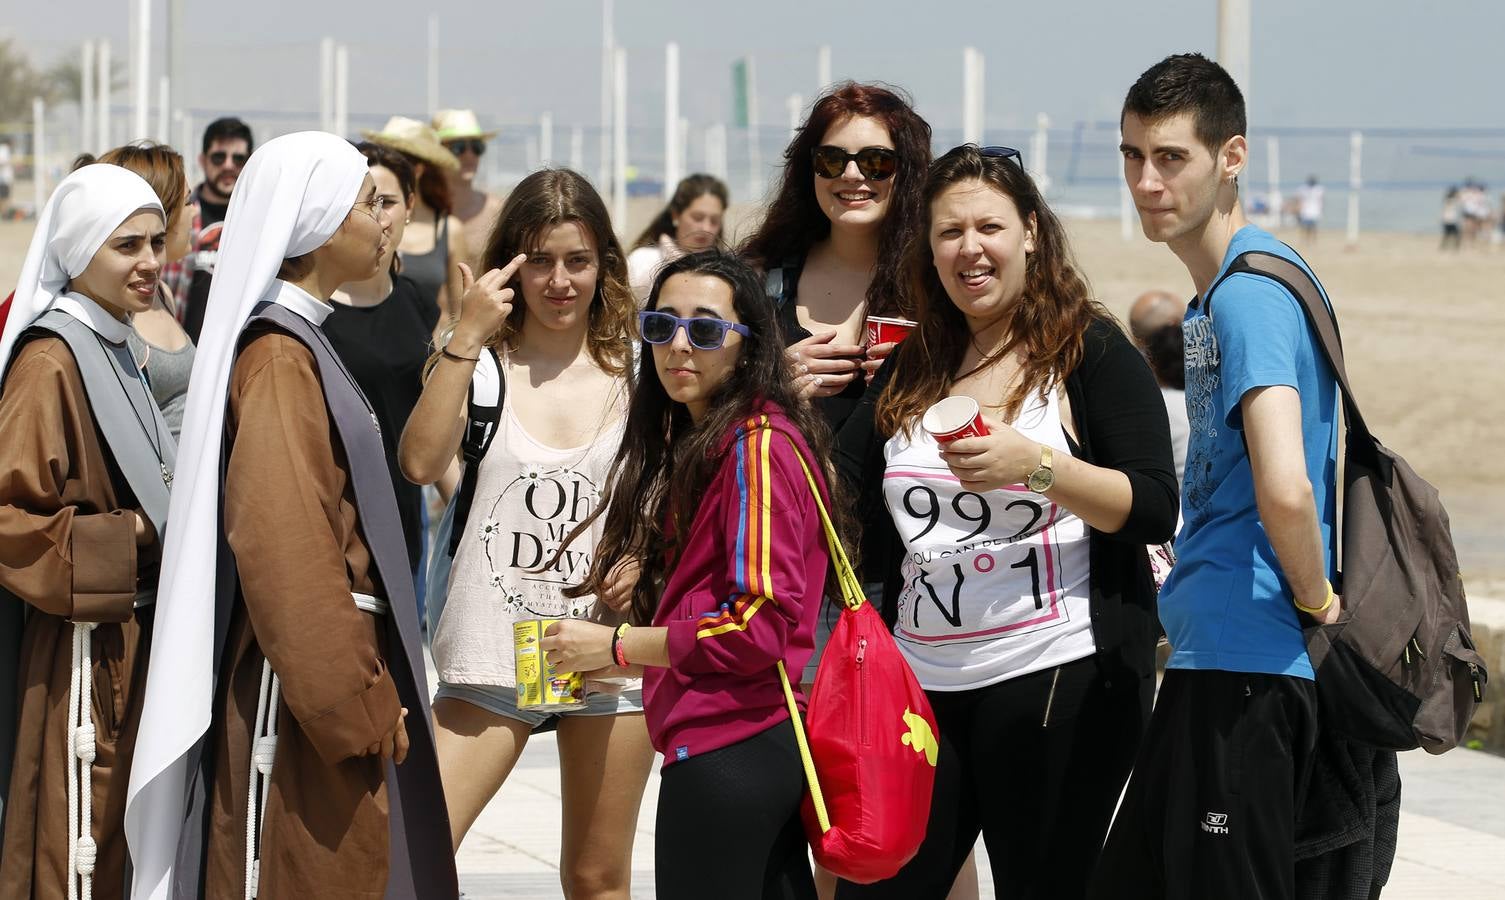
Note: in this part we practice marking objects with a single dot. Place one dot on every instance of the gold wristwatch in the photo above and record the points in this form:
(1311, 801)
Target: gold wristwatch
(1044, 476)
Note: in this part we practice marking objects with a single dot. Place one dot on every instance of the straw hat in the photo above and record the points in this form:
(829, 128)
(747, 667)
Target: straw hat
(455, 124)
(415, 139)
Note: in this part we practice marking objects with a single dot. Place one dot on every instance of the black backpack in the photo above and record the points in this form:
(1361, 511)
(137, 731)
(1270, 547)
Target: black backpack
(1399, 670)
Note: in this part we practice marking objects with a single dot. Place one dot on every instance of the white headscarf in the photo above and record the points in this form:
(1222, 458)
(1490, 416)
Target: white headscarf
(293, 195)
(79, 217)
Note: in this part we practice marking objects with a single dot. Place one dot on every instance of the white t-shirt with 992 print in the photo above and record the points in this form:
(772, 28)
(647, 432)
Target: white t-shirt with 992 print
(994, 584)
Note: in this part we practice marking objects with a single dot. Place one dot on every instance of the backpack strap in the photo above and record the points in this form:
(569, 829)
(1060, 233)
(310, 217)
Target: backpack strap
(483, 412)
(1296, 280)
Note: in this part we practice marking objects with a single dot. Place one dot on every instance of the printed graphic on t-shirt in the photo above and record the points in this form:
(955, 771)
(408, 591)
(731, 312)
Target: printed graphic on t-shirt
(963, 547)
(525, 561)
(1203, 381)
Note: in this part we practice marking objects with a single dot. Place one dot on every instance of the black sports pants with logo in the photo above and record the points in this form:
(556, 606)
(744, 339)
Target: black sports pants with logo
(1210, 810)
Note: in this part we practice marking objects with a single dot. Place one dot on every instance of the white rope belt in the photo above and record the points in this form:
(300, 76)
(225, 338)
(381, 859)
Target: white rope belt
(82, 746)
(264, 752)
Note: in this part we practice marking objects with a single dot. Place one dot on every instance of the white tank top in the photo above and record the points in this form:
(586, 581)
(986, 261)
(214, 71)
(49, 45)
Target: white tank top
(529, 496)
(994, 584)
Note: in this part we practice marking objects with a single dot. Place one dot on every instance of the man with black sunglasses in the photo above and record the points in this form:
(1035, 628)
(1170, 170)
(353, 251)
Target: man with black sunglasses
(461, 134)
(226, 147)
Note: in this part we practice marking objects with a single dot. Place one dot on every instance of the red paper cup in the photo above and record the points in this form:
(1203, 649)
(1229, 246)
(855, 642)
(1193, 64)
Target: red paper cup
(882, 330)
(954, 418)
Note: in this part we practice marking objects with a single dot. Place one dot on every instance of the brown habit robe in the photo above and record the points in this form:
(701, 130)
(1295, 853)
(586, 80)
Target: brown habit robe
(290, 519)
(68, 551)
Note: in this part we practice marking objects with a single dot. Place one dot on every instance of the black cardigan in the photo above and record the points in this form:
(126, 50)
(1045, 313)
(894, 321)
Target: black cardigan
(1120, 424)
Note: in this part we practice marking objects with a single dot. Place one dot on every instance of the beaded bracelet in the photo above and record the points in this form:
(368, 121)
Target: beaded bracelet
(618, 652)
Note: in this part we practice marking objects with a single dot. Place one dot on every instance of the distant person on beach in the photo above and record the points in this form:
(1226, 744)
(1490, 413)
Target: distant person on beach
(1476, 212)
(461, 134)
(1309, 214)
(691, 222)
(226, 146)
(1452, 220)
(1217, 801)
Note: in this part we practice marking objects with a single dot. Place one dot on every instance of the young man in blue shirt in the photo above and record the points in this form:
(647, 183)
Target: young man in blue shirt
(1211, 808)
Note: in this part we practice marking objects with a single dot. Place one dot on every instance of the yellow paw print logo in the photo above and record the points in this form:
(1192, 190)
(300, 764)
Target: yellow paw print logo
(920, 737)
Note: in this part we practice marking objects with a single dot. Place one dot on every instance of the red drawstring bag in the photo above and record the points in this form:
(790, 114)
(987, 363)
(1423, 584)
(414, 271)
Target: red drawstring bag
(868, 741)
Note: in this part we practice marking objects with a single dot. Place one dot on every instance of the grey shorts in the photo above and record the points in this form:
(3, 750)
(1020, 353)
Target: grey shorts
(500, 700)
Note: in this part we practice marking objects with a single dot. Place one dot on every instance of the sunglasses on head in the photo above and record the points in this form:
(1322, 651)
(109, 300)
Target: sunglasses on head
(1000, 153)
(218, 158)
(875, 163)
(474, 145)
(704, 333)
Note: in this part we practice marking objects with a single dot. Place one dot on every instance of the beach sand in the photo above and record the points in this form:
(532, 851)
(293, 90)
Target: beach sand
(1424, 335)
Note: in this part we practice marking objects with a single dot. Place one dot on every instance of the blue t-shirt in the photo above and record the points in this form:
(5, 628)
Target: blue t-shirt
(1226, 604)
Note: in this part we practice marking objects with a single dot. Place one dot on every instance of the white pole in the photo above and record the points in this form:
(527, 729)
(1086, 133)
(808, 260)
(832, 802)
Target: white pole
(177, 96)
(102, 100)
(1272, 150)
(433, 71)
(188, 146)
(822, 69)
(608, 61)
(577, 148)
(1234, 42)
(715, 151)
(754, 156)
(164, 91)
(972, 100)
(794, 104)
(674, 166)
(86, 99)
(1039, 145)
(39, 153)
(1355, 182)
(546, 138)
(619, 138)
(141, 77)
(341, 90)
(326, 84)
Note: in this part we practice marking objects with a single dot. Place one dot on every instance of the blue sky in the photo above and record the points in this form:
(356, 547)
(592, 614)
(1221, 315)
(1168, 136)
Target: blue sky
(1389, 63)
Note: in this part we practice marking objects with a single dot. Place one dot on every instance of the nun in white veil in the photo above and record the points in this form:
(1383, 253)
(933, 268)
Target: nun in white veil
(290, 707)
(84, 463)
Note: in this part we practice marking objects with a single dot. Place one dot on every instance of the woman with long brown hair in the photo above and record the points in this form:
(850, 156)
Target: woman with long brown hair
(692, 221)
(564, 359)
(1021, 593)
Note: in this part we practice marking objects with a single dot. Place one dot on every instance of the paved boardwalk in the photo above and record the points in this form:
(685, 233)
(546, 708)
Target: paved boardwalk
(1452, 831)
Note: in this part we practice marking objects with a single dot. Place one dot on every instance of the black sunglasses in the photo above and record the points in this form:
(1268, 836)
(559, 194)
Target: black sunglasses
(474, 145)
(704, 333)
(218, 158)
(875, 163)
(1001, 154)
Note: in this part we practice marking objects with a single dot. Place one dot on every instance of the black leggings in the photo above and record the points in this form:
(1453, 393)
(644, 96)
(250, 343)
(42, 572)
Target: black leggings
(1035, 764)
(729, 823)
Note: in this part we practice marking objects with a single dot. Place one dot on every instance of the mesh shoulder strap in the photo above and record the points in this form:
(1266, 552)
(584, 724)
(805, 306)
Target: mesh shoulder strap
(483, 412)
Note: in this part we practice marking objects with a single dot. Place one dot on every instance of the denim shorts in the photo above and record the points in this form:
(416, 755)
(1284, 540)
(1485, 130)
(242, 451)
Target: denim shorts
(500, 700)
